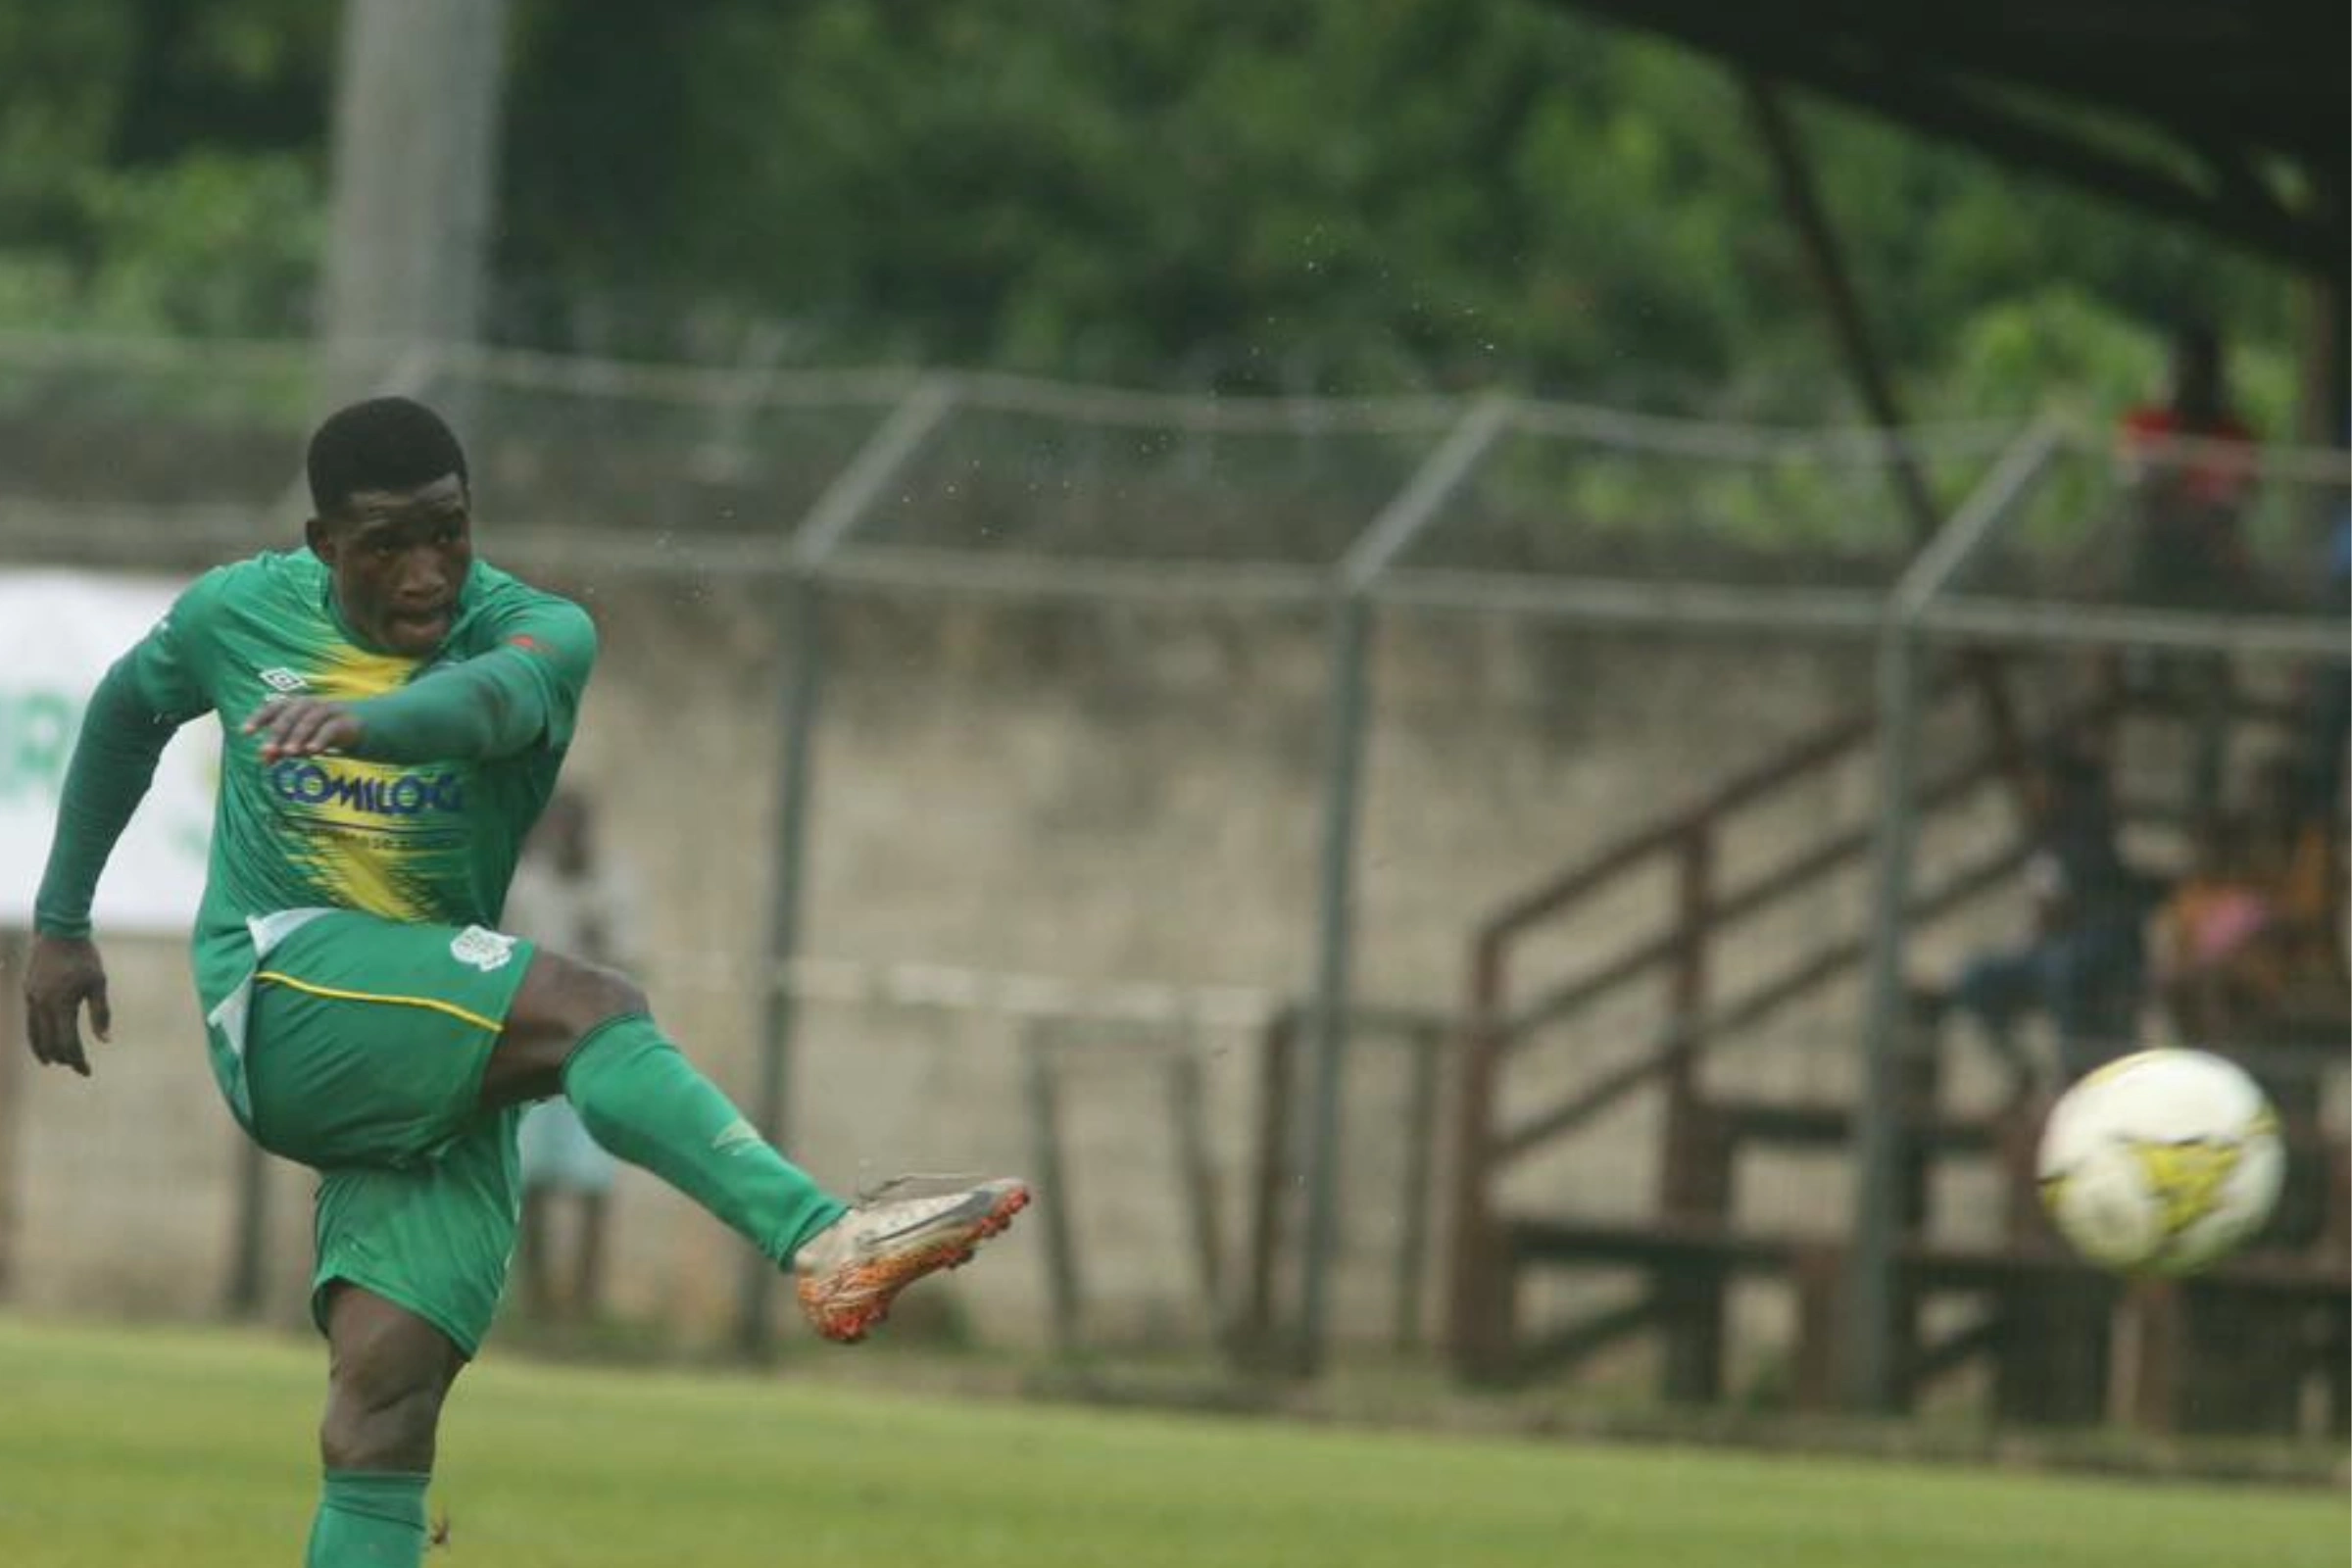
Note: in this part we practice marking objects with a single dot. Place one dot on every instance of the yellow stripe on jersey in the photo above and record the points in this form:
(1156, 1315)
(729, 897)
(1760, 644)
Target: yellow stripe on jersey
(367, 879)
(333, 994)
(347, 673)
(363, 881)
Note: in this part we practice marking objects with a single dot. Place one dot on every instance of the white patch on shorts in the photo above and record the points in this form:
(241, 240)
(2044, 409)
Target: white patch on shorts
(484, 950)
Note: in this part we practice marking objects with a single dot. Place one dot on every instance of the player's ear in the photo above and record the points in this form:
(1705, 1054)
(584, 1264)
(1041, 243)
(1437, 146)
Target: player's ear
(319, 538)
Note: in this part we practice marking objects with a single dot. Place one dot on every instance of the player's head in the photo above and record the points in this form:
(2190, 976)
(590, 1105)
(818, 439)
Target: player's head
(392, 520)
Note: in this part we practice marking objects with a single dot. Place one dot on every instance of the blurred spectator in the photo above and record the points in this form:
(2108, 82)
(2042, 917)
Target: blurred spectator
(2083, 964)
(2213, 964)
(568, 896)
(2327, 691)
(2188, 468)
(2296, 856)
(2249, 946)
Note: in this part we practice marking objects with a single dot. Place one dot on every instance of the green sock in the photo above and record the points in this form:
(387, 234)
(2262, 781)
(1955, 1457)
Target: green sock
(645, 1104)
(369, 1519)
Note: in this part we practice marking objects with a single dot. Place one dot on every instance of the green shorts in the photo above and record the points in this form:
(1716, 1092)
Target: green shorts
(365, 1048)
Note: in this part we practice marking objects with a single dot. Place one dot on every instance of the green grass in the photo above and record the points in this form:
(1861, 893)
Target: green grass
(193, 1448)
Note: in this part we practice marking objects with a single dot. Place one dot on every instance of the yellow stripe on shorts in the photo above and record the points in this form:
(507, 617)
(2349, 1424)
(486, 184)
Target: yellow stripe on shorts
(435, 1003)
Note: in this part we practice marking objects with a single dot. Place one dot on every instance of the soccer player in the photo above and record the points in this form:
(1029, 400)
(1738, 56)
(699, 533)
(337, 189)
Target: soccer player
(394, 716)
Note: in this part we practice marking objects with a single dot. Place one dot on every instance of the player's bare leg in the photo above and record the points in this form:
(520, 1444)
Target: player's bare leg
(587, 1033)
(389, 1371)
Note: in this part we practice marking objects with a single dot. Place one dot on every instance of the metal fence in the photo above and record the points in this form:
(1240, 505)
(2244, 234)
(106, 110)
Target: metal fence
(836, 507)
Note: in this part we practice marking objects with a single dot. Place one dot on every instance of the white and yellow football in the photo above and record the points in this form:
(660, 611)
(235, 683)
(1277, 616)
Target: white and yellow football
(2162, 1162)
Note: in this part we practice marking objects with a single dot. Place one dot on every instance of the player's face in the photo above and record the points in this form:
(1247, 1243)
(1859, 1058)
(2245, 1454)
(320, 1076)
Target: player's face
(398, 559)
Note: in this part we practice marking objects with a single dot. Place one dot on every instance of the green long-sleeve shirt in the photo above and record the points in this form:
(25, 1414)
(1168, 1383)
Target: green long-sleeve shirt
(426, 819)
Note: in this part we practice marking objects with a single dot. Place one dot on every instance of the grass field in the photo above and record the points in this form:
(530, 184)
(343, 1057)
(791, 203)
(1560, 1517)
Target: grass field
(121, 1449)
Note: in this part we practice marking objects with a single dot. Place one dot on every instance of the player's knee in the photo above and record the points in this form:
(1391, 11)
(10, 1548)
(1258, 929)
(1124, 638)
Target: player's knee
(381, 1417)
(562, 999)
(616, 995)
(577, 996)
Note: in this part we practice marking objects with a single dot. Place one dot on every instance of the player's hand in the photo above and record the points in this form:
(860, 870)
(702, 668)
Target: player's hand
(302, 726)
(63, 974)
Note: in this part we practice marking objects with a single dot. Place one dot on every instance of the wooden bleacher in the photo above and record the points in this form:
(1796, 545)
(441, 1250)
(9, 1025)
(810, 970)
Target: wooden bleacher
(2239, 1349)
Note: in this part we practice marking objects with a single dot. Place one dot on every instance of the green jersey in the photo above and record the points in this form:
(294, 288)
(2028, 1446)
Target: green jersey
(433, 842)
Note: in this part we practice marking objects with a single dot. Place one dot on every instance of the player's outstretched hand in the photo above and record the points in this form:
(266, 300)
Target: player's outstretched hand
(63, 974)
(302, 726)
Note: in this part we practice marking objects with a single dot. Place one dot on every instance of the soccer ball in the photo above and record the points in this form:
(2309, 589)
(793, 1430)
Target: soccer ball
(2161, 1162)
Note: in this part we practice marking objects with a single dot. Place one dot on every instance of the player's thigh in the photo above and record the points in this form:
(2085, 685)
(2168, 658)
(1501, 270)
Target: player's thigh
(433, 1238)
(379, 1352)
(368, 1039)
(559, 1003)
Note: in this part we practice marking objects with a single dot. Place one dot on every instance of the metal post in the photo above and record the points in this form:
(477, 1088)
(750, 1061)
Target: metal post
(835, 514)
(1479, 1297)
(804, 688)
(252, 1247)
(1879, 1133)
(1870, 1286)
(1064, 1293)
(1254, 1338)
(1347, 704)
(1423, 1046)
(1696, 1184)
(1197, 1174)
(408, 240)
(1348, 701)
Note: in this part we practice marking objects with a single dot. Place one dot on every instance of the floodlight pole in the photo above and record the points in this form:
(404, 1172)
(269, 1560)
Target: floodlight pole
(1878, 1132)
(829, 522)
(414, 194)
(1347, 726)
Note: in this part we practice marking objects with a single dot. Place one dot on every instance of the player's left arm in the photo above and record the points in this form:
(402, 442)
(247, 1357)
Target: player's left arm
(141, 701)
(523, 693)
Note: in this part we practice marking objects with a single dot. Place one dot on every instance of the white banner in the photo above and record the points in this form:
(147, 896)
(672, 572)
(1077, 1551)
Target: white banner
(59, 631)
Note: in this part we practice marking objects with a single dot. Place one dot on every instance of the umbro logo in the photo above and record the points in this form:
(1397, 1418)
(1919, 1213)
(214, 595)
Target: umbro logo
(282, 679)
(737, 1134)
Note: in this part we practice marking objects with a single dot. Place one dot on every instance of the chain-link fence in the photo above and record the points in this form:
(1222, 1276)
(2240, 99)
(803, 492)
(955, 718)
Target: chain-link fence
(1003, 760)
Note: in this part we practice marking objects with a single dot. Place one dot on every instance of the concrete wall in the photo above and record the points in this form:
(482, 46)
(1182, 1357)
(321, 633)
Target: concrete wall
(1100, 795)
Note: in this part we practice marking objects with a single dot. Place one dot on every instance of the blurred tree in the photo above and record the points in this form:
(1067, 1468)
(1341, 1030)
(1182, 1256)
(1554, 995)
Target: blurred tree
(1340, 195)
(161, 164)
(1295, 195)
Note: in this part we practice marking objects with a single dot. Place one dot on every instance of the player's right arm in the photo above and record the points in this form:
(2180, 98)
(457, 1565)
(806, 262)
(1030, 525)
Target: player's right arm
(148, 694)
(524, 692)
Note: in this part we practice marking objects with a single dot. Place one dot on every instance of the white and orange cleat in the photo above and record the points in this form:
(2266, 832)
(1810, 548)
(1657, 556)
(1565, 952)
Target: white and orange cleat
(853, 1269)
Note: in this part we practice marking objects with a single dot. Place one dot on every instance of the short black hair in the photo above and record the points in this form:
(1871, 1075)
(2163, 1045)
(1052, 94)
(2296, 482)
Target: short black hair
(379, 444)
